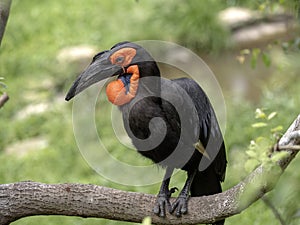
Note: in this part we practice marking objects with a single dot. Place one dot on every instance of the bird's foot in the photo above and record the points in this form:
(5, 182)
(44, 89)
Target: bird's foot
(180, 206)
(162, 202)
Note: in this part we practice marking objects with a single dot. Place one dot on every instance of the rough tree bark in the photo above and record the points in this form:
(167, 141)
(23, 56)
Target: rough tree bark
(24, 199)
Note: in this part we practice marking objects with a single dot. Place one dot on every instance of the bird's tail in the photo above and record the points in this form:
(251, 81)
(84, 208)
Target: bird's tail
(206, 183)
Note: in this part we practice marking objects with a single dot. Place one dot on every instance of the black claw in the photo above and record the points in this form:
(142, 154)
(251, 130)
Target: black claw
(156, 209)
(181, 206)
(160, 206)
(163, 203)
(173, 190)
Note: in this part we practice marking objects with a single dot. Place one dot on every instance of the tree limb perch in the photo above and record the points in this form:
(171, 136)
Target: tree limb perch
(22, 199)
(3, 99)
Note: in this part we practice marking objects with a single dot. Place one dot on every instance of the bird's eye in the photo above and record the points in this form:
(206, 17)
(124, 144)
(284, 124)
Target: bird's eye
(119, 59)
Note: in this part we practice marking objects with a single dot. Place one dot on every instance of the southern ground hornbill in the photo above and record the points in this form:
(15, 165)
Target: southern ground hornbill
(170, 122)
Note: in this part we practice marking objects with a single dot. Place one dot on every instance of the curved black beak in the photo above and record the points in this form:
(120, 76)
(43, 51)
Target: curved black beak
(99, 69)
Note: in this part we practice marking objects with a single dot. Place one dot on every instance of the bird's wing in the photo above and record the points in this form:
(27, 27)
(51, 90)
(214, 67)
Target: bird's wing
(209, 131)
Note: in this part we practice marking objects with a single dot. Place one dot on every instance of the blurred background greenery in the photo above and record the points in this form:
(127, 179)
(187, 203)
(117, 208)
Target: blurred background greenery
(37, 140)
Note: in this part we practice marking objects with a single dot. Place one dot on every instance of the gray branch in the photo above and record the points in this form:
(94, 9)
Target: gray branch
(22, 199)
(4, 13)
(3, 99)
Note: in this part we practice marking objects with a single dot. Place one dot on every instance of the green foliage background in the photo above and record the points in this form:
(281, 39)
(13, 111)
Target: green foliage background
(38, 30)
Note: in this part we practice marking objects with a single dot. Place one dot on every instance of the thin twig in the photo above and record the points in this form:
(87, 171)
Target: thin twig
(3, 99)
(289, 147)
(277, 215)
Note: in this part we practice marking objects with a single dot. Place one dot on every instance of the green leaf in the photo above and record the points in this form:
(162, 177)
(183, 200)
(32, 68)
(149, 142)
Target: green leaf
(277, 129)
(253, 62)
(240, 59)
(252, 145)
(259, 125)
(285, 46)
(279, 156)
(255, 54)
(259, 114)
(262, 142)
(266, 59)
(2, 85)
(281, 1)
(272, 115)
(245, 51)
(251, 153)
(147, 221)
(251, 164)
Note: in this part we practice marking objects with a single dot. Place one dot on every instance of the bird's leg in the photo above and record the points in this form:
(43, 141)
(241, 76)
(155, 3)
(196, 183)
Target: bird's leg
(181, 203)
(164, 195)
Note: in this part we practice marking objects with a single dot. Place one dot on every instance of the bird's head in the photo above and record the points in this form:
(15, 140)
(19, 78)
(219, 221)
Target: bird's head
(127, 60)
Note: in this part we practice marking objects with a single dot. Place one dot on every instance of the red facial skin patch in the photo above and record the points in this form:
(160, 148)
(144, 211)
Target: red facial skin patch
(123, 57)
(116, 91)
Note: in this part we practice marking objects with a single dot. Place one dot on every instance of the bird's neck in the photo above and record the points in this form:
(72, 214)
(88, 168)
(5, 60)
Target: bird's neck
(124, 89)
(131, 84)
(150, 83)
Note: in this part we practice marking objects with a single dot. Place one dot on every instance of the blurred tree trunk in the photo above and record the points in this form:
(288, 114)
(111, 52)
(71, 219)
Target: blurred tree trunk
(23, 199)
(4, 13)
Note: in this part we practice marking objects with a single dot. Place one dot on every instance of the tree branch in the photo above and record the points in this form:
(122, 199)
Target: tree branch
(3, 99)
(274, 210)
(24, 199)
(4, 13)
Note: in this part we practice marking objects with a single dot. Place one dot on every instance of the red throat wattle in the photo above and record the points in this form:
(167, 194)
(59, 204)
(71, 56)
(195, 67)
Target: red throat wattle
(116, 91)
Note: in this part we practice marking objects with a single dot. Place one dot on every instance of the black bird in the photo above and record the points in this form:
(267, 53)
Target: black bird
(170, 122)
